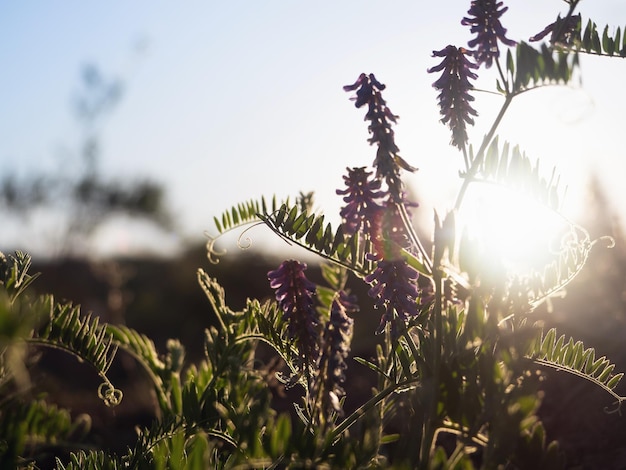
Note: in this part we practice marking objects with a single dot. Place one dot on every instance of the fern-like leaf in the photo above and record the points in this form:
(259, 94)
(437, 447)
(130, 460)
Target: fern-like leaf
(66, 328)
(513, 169)
(92, 460)
(310, 232)
(173, 438)
(14, 276)
(143, 349)
(538, 67)
(25, 427)
(273, 329)
(604, 43)
(242, 214)
(570, 258)
(215, 293)
(572, 356)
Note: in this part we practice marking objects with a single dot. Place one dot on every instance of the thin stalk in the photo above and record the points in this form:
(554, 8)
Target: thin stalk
(505, 82)
(431, 420)
(481, 152)
(316, 412)
(466, 158)
(363, 409)
(413, 236)
(456, 456)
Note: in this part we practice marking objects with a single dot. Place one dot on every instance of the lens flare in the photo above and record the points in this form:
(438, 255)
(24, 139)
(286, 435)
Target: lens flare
(516, 231)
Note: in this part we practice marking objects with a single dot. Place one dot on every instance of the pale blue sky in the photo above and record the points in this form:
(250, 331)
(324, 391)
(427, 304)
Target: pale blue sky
(226, 101)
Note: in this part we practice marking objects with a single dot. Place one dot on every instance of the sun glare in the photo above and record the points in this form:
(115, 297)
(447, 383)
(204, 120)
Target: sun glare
(511, 227)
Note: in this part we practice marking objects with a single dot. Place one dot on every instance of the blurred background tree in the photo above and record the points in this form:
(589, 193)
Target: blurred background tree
(77, 199)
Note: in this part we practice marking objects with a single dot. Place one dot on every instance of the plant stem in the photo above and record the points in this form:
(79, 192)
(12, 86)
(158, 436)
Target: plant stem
(476, 164)
(413, 236)
(431, 421)
(365, 407)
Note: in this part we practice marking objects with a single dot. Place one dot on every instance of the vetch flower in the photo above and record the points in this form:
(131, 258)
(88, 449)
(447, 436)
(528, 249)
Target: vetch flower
(485, 22)
(387, 230)
(362, 196)
(294, 293)
(394, 288)
(387, 161)
(337, 336)
(454, 85)
(562, 31)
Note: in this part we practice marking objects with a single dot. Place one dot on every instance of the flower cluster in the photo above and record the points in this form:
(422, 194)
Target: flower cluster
(394, 286)
(388, 232)
(294, 293)
(485, 22)
(337, 336)
(325, 347)
(370, 210)
(387, 161)
(454, 85)
(377, 212)
(362, 196)
(562, 31)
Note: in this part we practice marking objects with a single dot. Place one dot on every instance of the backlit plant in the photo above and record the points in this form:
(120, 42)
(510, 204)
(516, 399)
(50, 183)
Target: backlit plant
(459, 349)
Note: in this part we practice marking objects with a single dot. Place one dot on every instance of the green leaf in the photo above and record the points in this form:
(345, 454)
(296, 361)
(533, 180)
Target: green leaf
(606, 372)
(542, 67)
(613, 381)
(280, 216)
(589, 363)
(598, 366)
(510, 63)
(572, 357)
(568, 352)
(306, 230)
(370, 365)
(389, 438)
(336, 276)
(608, 44)
(280, 436)
(325, 296)
(198, 452)
(14, 275)
(578, 357)
(595, 42)
(63, 326)
(415, 263)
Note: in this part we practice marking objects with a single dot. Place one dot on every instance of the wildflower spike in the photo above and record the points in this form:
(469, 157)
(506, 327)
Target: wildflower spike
(454, 85)
(485, 22)
(337, 336)
(294, 293)
(394, 288)
(362, 197)
(387, 161)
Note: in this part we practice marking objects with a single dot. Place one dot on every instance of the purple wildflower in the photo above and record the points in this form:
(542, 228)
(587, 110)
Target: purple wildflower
(387, 162)
(394, 286)
(485, 22)
(563, 31)
(361, 196)
(294, 293)
(387, 231)
(454, 84)
(336, 338)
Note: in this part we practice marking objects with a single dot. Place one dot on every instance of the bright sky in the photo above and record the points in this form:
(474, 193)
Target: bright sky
(227, 101)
